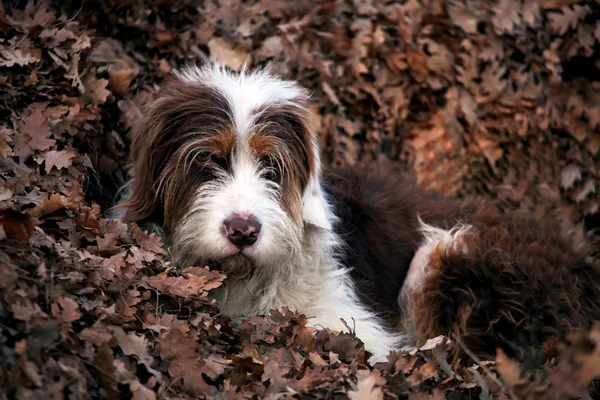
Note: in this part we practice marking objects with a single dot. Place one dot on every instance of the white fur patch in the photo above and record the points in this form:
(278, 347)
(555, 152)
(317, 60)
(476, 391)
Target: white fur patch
(435, 239)
(339, 300)
(245, 91)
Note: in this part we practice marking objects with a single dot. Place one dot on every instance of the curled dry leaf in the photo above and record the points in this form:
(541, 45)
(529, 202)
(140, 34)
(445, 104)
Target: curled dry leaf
(186, 285)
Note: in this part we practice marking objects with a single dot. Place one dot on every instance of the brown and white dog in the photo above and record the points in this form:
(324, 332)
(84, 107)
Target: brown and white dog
(226, 163)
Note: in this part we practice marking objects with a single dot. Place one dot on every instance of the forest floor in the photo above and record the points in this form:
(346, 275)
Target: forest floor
(498, 101)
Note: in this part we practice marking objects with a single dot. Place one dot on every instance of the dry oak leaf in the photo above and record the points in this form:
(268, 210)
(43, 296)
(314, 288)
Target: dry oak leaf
(15, 225)
(510, 372)
(214, 279)
(590, 367)
(274, 369)
(140, 392)
(366, 388)
(122, 68)
(56, 36)
(66, 309)
(16, 57)
(568, 18)
(31, 371)
(104, 362)
(89, 217)
(224, 53)
(182, 286)
(132, 344)
(136, 255)
(35, 14)
(56, 158)
(83, 42)
(506, 17)
(151, 242)
(37, 128)
(27, 310)
(21, 148)
(108, 242)
(345, 345)
(5, 194)
(431, 344)
(53, 203)
(96, 334)
(165, 323)
(462, 18)
(425, 372)
(569, 176)
(130, 113)
(95, 89)
(5, 149)
(186, 366)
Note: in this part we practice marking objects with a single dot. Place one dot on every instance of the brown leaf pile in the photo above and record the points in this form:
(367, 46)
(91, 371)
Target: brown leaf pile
(499, 100)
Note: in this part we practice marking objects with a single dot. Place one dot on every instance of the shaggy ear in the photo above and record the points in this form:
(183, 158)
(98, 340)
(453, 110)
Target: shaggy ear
(141, 200)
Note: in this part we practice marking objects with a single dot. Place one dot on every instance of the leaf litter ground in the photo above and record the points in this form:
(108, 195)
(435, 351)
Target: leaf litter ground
(494, 101)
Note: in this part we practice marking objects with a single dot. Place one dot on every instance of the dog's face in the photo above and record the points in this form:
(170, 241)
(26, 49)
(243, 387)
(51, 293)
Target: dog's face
(228, 164)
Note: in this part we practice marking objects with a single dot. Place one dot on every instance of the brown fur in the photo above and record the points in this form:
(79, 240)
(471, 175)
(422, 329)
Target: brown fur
(521, 285)
(378, 222)
(283, 135)
(164, 183)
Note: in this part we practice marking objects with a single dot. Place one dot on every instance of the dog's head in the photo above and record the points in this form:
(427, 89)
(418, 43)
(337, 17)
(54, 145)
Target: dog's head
(228, 164)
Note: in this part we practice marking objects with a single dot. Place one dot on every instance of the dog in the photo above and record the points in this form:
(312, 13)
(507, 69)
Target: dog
(228, 166)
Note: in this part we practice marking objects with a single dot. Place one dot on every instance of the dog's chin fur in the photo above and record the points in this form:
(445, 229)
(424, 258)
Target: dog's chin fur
(236, 266)
(349, 245)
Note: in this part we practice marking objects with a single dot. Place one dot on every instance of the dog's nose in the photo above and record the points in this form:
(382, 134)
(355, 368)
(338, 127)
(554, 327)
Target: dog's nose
(242, 231)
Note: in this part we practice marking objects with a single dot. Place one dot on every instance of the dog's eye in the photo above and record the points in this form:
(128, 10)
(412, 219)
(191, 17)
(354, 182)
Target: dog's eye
(207, 159)
(203, 157)
(271, 171)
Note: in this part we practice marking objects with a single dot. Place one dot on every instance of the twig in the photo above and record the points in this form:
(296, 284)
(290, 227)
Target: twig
(477, 360)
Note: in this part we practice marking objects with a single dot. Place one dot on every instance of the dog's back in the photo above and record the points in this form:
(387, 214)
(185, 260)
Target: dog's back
(488, 279)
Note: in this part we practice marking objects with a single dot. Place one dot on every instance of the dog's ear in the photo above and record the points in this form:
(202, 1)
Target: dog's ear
(141, 201)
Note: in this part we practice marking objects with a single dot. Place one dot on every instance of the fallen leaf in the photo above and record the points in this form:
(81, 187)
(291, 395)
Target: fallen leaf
(58, 159)
(151, 242)
(223, 52)
(36, 128)
(366, 389)
(16, 57)
(95, 89)
(66, 309)
(181, 286)
(15, 225)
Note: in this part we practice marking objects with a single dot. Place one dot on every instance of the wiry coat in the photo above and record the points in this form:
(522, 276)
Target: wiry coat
(514, 283)
(403, 264)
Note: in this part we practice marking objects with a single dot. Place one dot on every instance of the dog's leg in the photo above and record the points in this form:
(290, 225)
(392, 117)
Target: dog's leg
(503, 281)
(338, 301)
(435, 240)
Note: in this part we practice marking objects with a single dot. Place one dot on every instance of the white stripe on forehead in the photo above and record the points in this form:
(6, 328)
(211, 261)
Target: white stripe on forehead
(245, 91)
